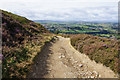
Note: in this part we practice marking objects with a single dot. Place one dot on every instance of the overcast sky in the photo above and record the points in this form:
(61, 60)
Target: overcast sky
(75, 10)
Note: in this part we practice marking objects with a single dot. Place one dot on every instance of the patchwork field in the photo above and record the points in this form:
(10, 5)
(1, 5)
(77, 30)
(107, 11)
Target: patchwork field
(101, 29)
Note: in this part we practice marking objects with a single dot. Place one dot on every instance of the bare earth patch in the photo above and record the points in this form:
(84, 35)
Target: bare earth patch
(58, 59)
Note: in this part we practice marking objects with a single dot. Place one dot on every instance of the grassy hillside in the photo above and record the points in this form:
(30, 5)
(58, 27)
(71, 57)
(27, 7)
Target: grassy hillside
(22, 40)
(100, 49)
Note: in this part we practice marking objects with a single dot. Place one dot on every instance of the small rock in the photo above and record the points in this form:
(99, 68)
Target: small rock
(74, 66)
(95, 72)
(99, 76)
(65, 65)
(88, 77)
(76, 61)
(80, 65)
(62, 56)
(92, 77)
(59, 56)
(96, 75)
(83, 61)
(90, 73)
(62, 62)
(49, 71)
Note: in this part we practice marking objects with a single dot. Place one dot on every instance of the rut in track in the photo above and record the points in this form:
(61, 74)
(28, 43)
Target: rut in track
(59, 59)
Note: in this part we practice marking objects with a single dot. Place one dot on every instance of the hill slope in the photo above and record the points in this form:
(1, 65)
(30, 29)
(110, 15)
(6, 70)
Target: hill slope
(58, 59)
(102, 50)
(22, 40)
(16, 27)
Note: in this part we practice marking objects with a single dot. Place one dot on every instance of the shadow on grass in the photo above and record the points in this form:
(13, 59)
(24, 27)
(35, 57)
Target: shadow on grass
(40, 67)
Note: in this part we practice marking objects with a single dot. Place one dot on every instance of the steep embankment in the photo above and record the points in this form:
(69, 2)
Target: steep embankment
(22, 40)
(100, 49)
(59, 59)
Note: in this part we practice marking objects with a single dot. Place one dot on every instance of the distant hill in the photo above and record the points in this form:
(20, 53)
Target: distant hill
(58, 21)
(101, 29)
(21, 39)
(49, 21)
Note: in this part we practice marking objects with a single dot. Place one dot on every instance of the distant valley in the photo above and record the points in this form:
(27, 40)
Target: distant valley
(101, 29)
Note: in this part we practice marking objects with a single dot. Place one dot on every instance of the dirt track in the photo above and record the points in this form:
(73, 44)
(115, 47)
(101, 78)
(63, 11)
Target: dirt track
(60, 60)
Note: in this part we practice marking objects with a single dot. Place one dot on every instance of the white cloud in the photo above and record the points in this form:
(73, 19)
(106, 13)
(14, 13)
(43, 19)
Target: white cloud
(88, 10)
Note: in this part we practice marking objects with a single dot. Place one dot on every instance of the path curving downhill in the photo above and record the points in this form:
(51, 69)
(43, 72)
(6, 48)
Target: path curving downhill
(60, 60)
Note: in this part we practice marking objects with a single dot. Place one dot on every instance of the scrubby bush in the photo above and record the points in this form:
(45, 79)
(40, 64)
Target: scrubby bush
(11, 59)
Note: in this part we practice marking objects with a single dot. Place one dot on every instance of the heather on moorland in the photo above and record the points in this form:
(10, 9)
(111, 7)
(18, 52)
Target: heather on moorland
(100, 49)
(22, 40)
